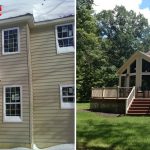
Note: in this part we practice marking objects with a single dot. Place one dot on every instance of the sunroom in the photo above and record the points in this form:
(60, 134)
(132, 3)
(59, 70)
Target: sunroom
(133, 90)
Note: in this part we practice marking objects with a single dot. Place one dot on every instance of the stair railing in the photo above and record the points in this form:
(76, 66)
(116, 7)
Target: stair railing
(130, 99)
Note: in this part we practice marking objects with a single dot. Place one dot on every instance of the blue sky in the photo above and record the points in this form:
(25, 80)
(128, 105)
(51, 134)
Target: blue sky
(145, 4)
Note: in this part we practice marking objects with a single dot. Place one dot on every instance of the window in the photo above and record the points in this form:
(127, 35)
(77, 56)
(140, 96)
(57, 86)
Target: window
(12, 104)
(133, 67)
(67, 96)
(125, 72)
(65, 38)
(10, 42)
(145, 66)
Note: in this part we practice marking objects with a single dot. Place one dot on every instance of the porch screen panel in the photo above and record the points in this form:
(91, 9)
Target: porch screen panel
(145, 82)
(123, 81)
(132, 81)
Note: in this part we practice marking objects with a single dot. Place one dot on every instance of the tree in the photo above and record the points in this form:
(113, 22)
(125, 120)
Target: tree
(123, 32)
(92, 66)
(87, 42)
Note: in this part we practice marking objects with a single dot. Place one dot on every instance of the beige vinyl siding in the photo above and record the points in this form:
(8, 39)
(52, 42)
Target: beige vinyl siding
(52, 125)
(14, 71)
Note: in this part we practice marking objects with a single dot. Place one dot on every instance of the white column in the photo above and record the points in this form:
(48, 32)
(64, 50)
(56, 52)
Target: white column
(138, 72)
(119, 80)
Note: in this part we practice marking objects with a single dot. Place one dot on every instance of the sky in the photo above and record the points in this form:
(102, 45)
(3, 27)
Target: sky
(142, 6)
(41, 9)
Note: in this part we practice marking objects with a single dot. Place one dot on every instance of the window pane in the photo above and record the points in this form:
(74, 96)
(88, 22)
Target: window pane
(60, 43)
(71, 99)
(8, 112)
(7, 94)
(65, 42)
(8, 100)
(70, 42)
(59, 35)
(59, 29)
(65, 99)
(7, 90)
(65, 34)
(70, 91)
(133, 67)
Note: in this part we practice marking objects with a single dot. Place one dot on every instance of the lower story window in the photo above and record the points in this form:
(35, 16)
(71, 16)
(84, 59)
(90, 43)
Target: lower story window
(12, 104)
(67, 96)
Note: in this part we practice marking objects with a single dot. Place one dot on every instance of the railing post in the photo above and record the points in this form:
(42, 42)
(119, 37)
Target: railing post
(102, 92)
(117, 92)
(134, 91)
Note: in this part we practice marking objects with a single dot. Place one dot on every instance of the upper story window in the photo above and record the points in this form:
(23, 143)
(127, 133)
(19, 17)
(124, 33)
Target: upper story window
(133, 67)
(145, 66)
(67, 96)
(10, 41)
(65, 38)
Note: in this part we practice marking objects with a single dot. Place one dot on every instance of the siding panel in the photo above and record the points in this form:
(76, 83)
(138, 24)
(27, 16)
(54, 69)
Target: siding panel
(14, 71)
(52, 125)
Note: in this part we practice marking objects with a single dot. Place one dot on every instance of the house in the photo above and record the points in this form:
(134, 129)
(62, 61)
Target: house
(36, 82)
(136, 71)
(133, 92)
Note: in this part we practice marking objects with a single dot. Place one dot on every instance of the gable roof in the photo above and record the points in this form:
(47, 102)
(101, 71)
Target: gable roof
(132, 58)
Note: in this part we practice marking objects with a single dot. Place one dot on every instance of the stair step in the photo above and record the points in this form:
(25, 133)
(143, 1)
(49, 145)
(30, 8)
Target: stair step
(141, 99)
(139, 105)
(138, 111)
(141, 102)
(138, 114)
(139, 108)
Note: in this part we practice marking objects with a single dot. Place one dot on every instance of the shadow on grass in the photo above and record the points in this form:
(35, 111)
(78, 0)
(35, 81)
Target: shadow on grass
(105, 135)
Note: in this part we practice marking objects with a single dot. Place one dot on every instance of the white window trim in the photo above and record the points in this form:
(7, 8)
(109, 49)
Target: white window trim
(64, 49)
(66, 105)
(3, 49)
(11, 118)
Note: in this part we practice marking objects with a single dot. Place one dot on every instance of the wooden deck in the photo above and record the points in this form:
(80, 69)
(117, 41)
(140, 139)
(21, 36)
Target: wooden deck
(120, 100)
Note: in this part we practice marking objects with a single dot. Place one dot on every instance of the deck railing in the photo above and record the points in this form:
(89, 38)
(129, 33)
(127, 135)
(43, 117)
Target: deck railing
(111, 92)
(130, 99)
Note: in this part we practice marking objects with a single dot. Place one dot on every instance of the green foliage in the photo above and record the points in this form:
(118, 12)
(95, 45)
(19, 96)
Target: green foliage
(123, 32)
(104, 42)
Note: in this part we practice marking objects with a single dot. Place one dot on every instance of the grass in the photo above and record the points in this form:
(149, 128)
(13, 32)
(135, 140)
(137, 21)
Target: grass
(97, 132)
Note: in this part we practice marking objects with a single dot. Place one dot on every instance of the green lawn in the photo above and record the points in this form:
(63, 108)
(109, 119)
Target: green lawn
(97, 132)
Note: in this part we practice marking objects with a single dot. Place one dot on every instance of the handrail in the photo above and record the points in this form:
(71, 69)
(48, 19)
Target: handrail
(130, 99)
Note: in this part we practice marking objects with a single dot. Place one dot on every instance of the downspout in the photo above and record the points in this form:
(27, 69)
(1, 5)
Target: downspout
(30, 85)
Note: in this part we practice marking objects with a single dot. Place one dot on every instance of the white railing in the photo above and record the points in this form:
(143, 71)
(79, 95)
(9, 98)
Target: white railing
(130, 99)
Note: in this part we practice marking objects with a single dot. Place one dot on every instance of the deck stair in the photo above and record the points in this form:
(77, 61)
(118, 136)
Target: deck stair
(140, 106)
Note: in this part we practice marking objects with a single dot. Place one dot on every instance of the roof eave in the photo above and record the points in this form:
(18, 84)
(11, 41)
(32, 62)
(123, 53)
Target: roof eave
(125, 64)
(18, 19)
(54, 21)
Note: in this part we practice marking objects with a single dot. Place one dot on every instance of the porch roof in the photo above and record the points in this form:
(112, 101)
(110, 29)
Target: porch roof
(137, 54)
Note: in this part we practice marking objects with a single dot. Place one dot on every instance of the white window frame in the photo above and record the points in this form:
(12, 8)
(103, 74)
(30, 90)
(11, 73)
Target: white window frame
(66, 105)
(64, 49)
(11, 118)
(3, 48)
